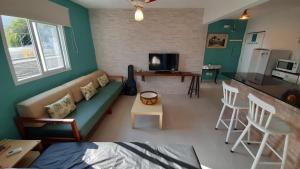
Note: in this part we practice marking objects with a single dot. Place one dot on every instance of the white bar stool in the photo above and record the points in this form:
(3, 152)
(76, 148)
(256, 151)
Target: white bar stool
(230, 100)
(261, 116)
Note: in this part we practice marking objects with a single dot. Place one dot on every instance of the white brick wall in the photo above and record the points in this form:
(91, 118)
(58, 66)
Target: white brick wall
(120, 41)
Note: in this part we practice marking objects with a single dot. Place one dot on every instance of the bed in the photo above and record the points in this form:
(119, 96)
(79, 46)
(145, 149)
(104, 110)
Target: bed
(117, 155)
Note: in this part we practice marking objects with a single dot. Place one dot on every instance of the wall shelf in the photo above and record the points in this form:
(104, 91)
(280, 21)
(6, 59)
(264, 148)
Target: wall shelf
(151, 73)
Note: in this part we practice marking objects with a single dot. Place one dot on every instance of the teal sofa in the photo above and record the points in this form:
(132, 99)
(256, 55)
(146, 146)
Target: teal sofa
(77, 125)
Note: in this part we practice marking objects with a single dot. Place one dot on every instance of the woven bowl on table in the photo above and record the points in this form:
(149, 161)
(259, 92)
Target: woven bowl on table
(149, 97)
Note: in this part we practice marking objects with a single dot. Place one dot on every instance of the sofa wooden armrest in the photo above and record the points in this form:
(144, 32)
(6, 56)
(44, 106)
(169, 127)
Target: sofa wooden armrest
(116, 77)
(20, 121)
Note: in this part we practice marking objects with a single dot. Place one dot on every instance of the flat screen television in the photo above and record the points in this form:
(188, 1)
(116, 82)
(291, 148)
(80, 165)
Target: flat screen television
(163, 61)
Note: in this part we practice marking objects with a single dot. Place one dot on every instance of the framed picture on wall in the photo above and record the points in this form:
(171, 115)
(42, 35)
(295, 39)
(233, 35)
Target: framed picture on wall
(217, 40)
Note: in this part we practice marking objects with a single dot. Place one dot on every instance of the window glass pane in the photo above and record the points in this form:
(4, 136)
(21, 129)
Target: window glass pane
(51, 47)
(21, 47)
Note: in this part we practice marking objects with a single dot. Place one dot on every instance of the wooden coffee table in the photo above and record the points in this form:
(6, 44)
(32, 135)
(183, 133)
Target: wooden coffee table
(22, 159)
(139, 108)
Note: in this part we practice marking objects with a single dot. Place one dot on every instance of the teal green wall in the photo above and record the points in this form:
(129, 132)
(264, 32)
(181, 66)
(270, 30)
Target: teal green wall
(82, 63)
(228, 57)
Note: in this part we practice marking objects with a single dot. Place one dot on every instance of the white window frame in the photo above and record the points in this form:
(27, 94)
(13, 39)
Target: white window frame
(36, 44)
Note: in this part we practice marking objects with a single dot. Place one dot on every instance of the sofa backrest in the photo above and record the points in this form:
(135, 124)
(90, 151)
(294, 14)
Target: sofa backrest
(93, 76)
(74, 87)
(34, 107)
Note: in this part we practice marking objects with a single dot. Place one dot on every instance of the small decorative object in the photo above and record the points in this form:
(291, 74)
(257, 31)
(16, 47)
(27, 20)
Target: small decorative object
(217, 40)
(149, 97)
(138, 69)
(292, 97)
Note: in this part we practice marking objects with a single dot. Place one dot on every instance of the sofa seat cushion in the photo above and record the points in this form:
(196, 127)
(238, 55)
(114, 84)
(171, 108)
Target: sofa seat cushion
(86, 115)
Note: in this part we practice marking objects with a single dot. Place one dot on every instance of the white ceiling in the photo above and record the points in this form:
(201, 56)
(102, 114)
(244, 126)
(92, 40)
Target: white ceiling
(215, 9)
(157, 4)
(266, 8)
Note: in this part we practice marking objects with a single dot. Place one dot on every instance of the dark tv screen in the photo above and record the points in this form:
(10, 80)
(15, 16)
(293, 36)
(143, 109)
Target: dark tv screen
(163, 61)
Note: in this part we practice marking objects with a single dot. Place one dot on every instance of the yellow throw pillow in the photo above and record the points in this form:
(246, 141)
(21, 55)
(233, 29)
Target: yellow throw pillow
(103, 80)
(61, 108)
(88, 91)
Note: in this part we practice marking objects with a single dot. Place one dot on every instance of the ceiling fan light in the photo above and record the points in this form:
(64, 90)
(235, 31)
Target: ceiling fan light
(245, 15)
(139, 16)
(149, 1)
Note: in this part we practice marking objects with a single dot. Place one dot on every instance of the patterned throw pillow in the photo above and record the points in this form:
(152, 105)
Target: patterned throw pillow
(103, 80)
(61, 108)
(88, 91)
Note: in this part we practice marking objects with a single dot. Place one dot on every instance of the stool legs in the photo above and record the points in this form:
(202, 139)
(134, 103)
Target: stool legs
(198, 81)
(238, 141)
(261, 148)
(260, 151)
(230, 125)
(198, 85)
(220, 117)
(233, 117)
(249, 135)
(285, 148)
(191, 88)
(191, 85)
(236, 118)
(194, 86)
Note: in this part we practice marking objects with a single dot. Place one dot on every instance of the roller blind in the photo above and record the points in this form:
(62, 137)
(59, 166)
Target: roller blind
(40, 10)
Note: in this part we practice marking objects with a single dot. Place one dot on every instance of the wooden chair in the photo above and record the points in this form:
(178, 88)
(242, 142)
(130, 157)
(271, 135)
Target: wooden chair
(230, 100)
(261, 116)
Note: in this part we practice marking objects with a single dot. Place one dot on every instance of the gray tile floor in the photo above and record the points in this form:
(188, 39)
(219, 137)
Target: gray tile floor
(186, 121)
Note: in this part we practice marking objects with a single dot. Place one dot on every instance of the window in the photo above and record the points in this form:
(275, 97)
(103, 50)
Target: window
(34, 49)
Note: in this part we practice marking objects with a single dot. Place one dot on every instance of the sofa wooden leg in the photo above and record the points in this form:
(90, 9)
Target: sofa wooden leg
(21, 128)
(109, 111)
(75, 131)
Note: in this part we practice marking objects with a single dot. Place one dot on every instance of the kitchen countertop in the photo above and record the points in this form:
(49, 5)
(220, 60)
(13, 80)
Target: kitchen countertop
(281, 90)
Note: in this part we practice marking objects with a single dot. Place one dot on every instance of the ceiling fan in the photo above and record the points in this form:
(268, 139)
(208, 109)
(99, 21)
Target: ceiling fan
(139, 5)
